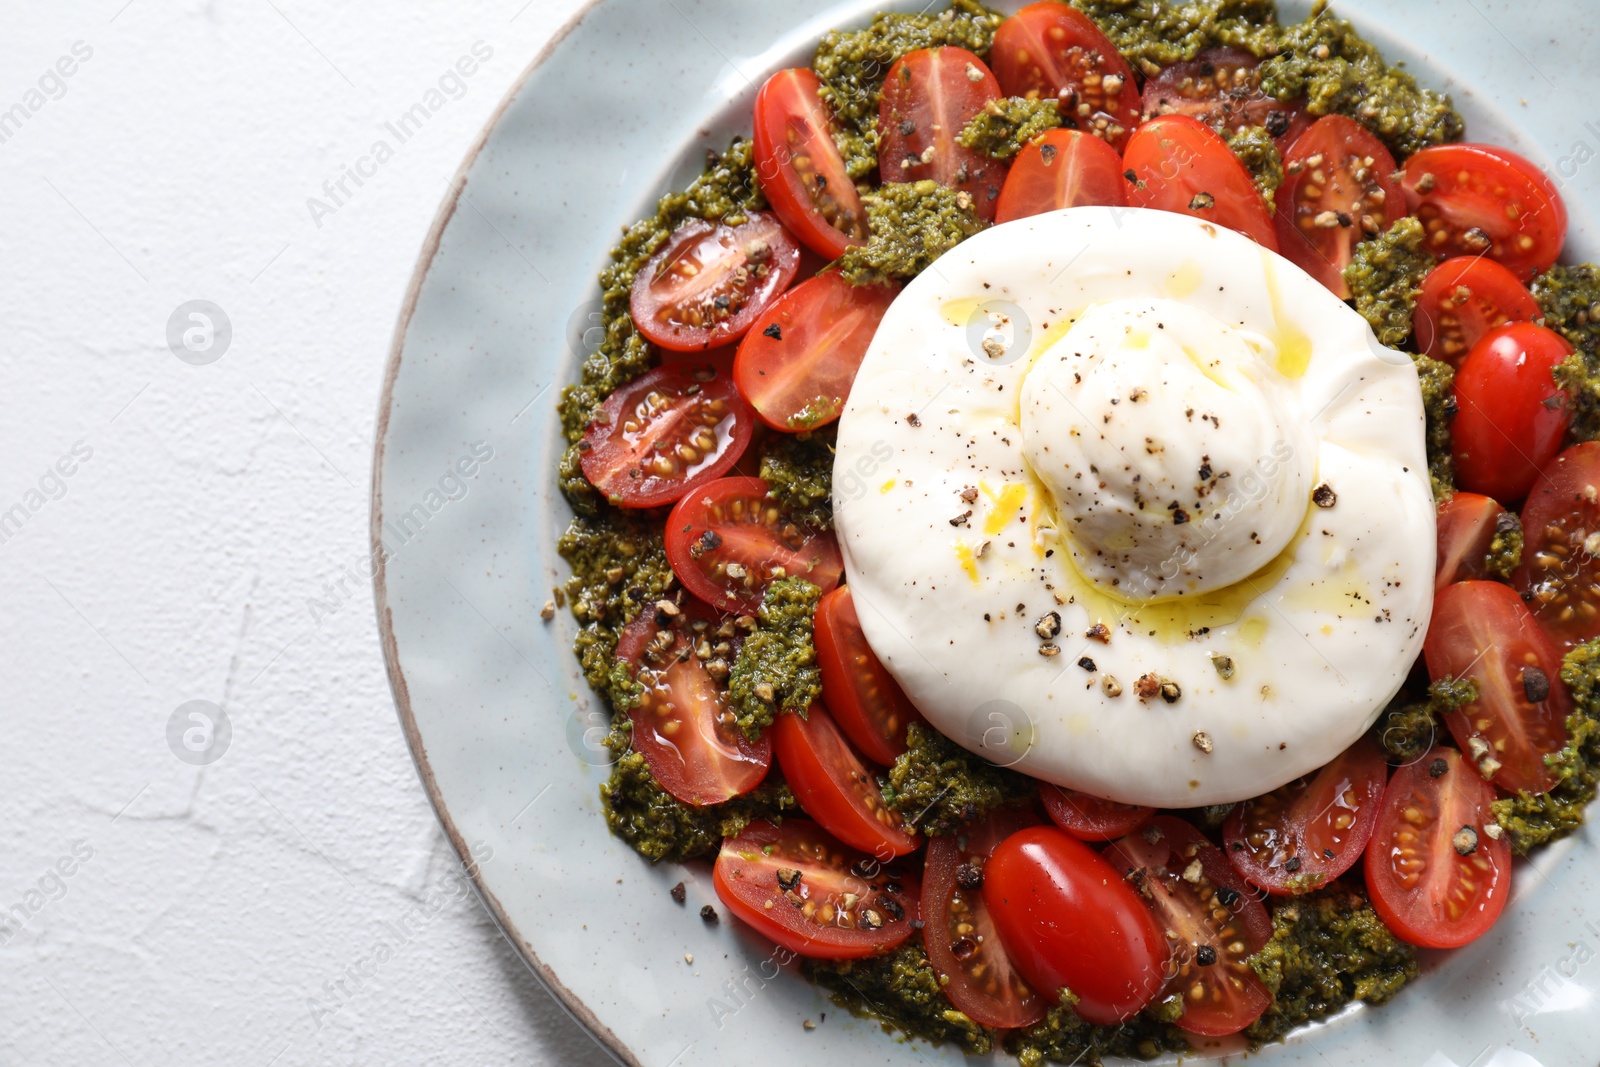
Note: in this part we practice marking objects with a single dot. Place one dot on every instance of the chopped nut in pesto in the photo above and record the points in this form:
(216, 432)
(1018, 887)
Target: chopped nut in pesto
(777, 665)
(1385, 277)
(912, 224)
(1152, 34)
(1408, 727)
(936, 785)
(1569, 297)
(798, 469)
(1005, 127)
(1505, 551)
(902, 990)
(619, 563)
(1537, 820)
(1255, 149)
(1063, 1036)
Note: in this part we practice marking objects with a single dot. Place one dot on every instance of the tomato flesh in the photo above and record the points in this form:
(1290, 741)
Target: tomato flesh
(1064, 168)
(1560, 572)
(1049, 50)
(1090, 818)
(867, 703)
(729, 540)
(664, 434)
(812, 895)
(1424, 887)
(1510, 416)
(1180, 165)
(1483, 200)
(928, 97)
(1483, 631)
(1468, 524)
(835, 787)
(1221, 87)
(1464, 298)
(799, 167)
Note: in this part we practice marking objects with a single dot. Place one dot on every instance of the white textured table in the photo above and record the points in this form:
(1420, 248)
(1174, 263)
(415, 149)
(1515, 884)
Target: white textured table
(176, 531)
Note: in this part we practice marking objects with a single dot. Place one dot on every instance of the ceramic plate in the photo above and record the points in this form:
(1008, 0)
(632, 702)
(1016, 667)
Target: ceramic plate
(620, 109)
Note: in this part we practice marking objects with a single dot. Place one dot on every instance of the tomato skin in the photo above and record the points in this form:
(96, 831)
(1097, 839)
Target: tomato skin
(996, 995)
(1221, 87)
(799, 168)
(1559, 570)
(1178, 162)
(1464, 298)
(746, 880)
(927, 99)
(1321, 822)
(799, 379)
(1511, 417)
(1064, 168)
(1468, 523)
(735, 521)
(1483, 631)
(866, 702)
(1479, 199)
(1051, 50)
(1067, 918)
(1414, 874)
(694, 406)
(1089, 818)
(835, 787)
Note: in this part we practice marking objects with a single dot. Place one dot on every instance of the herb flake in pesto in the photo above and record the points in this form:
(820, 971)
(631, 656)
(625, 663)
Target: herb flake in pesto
(1005, 127)
(1064, 1037)
(1152, 34)
(902, 991)
(1385, 277)
(798, 469)
(777, 665)
(619, 563)
(1569, 298)
(1256, 150)
(912, 224)
(936, 785)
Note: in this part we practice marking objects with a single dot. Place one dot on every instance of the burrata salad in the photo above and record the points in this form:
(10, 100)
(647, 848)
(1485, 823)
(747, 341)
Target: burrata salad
(1087, 521)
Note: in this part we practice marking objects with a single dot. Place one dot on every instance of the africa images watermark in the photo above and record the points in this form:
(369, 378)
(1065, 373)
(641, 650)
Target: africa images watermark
(51, 485)
(51, 85)
(51, 887)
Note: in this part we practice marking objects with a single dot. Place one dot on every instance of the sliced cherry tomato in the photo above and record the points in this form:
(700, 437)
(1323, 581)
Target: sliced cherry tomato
(729, 540)
(1483, 631)
(1064, 168)
(835, 787)
(960, 937)
(682, 724)
(1560, 572)
(812, 895)
(1067, 919)
(1479, 199)
(867, 703)
(671, 430)
(1338, 189)
(1222, 88)
(796, 365)
(1213, 922)
(1180, 165)
(1435, 878)
(707, 284)
(1303, 835)
(928, 97)
(799, 167)
(1510, 417)
(1051, 50)
(1468, 524)
(1464, 298)
(1089, 818)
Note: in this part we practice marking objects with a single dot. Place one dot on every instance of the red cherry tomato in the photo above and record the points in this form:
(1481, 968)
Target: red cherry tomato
(799, 167)
(1510, 417)
(663, 434)
(1435, 878)
(797, 363)
(928, 97)
(1468, 524)
(1064, 168)
(1051, 50)
(1208, 914)
(682, 724)
(812, 895)
(1089, 818)
(729, 540)
(1479, 199)
(1464, 298)
(1181, 165)
(1338, 189)
(1483, 631)
(707, 284)
(867, 703)
(1068, 919)
(960, 936)
(1304, 835)
(1222, 88)
(1560, 572)
(835, 787)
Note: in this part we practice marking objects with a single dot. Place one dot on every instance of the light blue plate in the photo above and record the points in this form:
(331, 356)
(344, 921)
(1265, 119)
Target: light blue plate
(620, 109)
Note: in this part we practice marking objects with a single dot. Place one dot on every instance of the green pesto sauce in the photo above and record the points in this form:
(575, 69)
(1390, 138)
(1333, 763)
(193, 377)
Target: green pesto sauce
(853, 63)
(1385, 277)
(1532, 821)
(619, 563)
(902, 991)
(1152, 34)
(1409, 726)
(777, 665)
(1063, 1036)
(912, 224)
(936, 785)
(798, 469)
(1438, 407)
(1569, 298)
(1505, 551)
(1253, 145)
(1005, 127)
(1326, 950)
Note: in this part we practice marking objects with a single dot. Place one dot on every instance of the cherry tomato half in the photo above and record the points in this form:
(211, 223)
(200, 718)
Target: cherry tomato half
(928, 97)
(1222, 88)
(1089, 818)
(867, 703)
(1435, 877)
(671, 430)
(1064, 168)
(1483, 631)
(799, 167)
(1479, 199)
(1068, 919)
(1468, 524)
(1181, 165)
(1560, 572)
(1049, 50)
(835, 787)
(1510, 417)
(812, 895)
(1464, 298)
(729, 540)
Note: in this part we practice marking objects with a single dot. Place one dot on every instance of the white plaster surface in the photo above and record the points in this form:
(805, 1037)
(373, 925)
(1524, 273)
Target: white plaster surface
(293, 902)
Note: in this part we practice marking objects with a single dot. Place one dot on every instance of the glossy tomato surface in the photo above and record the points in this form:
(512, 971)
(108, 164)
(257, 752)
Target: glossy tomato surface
(1221, 87)
(1510, 416)
(866, 702)
(1064, 168)
(1560, 573)
(1049, 50)
(1181, 165)
(1089, 818)
(1464, 298)
(1484, 200)
(799, 167)
(928, 98)
(1468, 525)
(835, 787)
